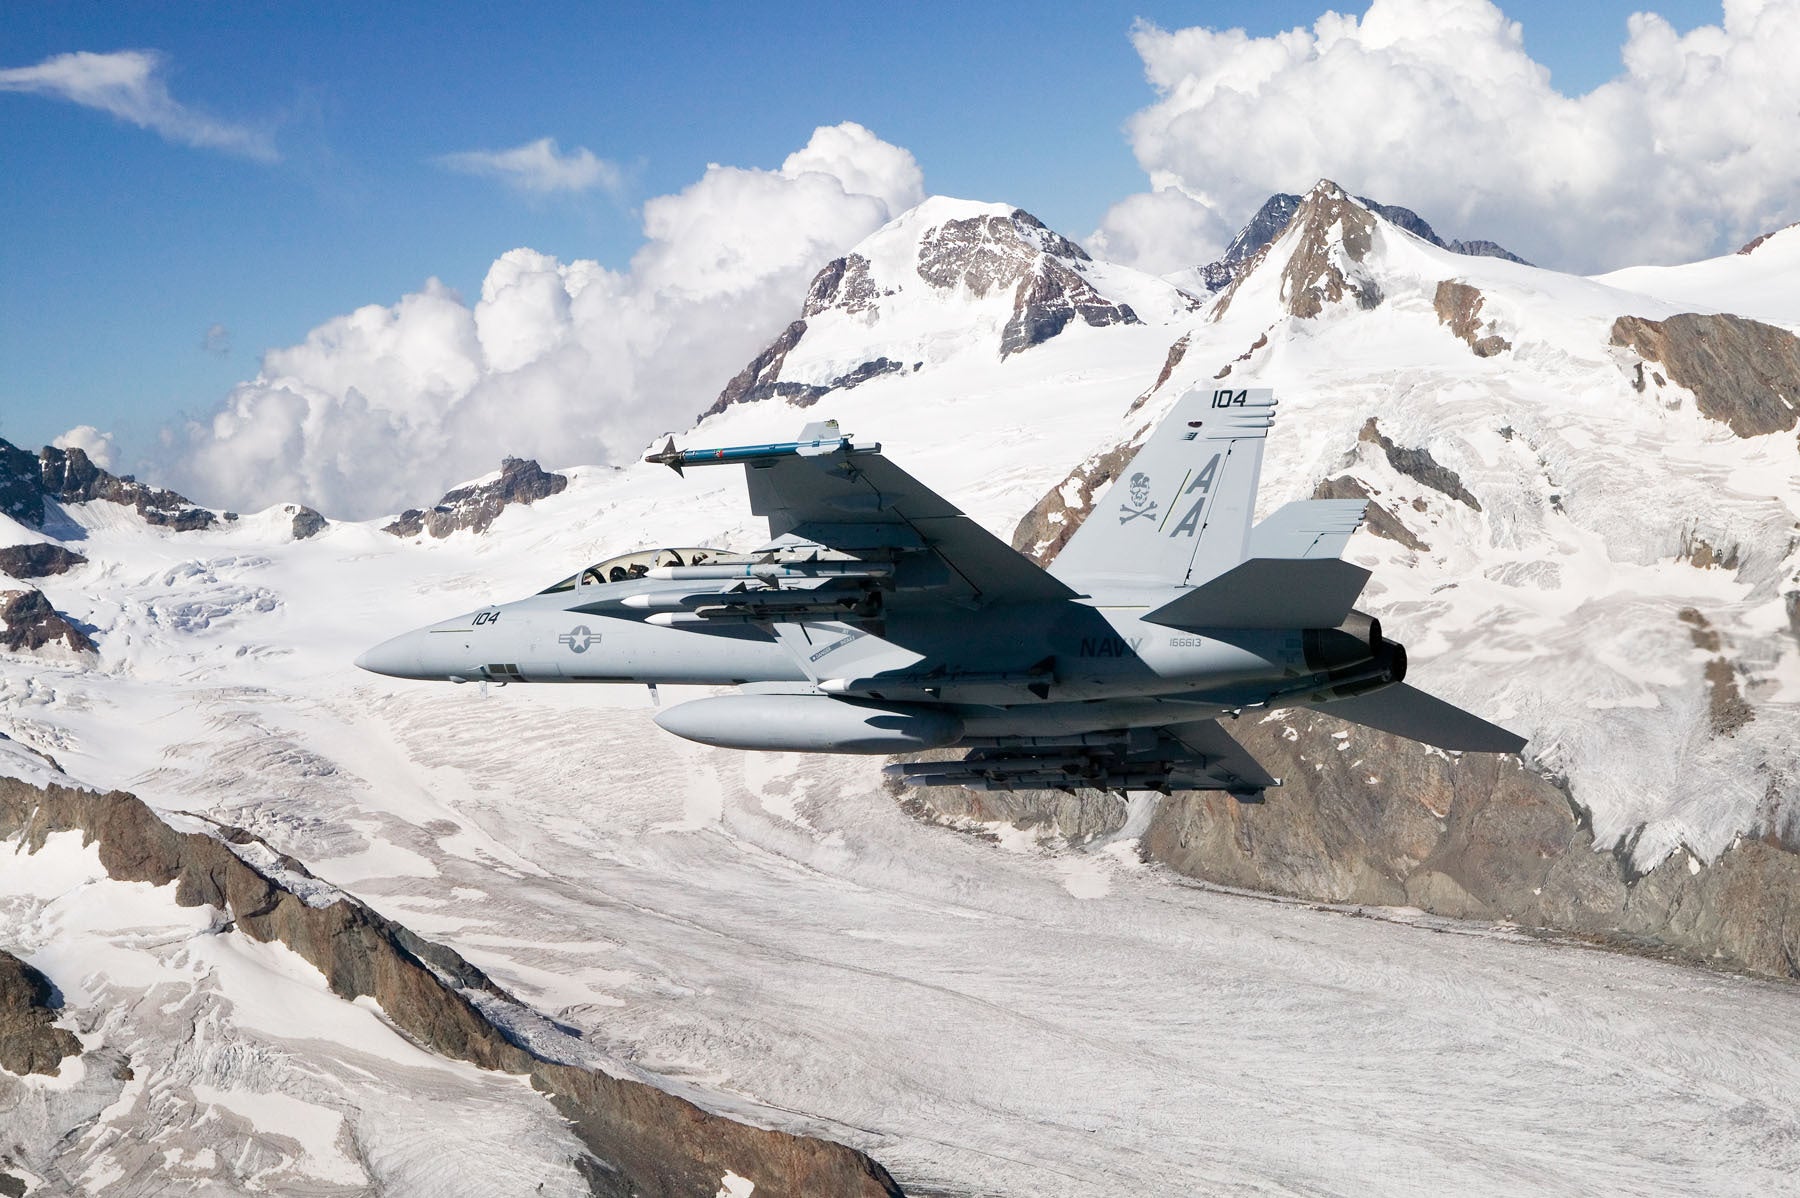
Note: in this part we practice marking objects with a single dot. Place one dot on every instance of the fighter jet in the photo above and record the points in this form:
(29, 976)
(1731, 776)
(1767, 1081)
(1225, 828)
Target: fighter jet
(880, 619)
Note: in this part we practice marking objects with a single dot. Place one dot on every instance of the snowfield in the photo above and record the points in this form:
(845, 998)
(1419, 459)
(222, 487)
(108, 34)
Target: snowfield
(772, 936)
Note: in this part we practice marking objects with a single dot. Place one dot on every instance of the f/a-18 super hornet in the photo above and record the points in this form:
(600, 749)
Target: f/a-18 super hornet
(880, 619)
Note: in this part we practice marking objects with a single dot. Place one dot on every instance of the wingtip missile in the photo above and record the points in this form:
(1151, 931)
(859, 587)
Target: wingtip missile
(828, 441)
(668, 456)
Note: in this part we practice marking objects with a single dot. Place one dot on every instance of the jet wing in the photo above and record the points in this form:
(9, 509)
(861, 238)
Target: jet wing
(1217, 754)
(824, 491)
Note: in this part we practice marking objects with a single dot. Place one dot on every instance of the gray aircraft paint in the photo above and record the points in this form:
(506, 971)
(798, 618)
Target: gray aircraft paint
(880, 619)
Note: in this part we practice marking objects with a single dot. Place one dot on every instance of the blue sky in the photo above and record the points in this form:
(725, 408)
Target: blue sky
(123, 247)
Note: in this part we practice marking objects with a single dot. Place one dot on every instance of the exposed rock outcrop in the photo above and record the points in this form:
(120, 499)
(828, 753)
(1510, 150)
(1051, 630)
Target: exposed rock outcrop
(1271, 220)
(1369, 818)
(1702, 554)
(1177, 352)
(28, 622)
(1419, 465)
(68, 476)
(1331, 235)
(647, 1142)
(30, 1041)
(989, 253)
(1380, 520)
(1259, 343)
(1049, 298)
(1743, 373)
(1459, 307)
(981, 256)
(38, 560)
(844, 284)
(761, 379)
(521, 481)
(1415, 224)
(1725, 703)
(1755, 243)
(307, 523)
(1047, 527)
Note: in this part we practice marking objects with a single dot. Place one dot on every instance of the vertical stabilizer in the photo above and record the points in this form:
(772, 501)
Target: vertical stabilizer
(1181, 512)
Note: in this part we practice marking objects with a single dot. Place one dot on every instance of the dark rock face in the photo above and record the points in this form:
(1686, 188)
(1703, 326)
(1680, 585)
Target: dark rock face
(843, 284)
(1311, 278)
(307, 523)
(1482, 248)
(1047, 527)
(1743, 373)
(1176, 353)
(1268, 223)
(1380, 520)
(762, 376)
(986, 253)
(70, 476)
(1048, 299)
(1365, 817)
(982, 254)
(28, 622)
(40, 560)
(29, 1041)
(991, 253)
(474, 508)
(1702, 554)
(1420, 465)
(761, 379)
(1459, 307)
(1415, 224)
(1472, 836)
(21, 486)
(1751, 246)
(1261, 341)
(1725, 702)
(1271, 220)
(648, 1143)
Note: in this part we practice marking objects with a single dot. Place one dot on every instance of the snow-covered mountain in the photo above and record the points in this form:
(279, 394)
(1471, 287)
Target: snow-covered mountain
(945, 283)
(1585, 500)
(1272, 219)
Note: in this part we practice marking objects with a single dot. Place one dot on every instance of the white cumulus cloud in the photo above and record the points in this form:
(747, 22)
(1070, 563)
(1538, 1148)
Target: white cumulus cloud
(566, 362)
(129, 85)
(862, 162)
(97, 445)
(539, 166)
(1434, 104)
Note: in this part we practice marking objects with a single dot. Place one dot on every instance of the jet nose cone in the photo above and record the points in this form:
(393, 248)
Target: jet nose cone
(397, 658)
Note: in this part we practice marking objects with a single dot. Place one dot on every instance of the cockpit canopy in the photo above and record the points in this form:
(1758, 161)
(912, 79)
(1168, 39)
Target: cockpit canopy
(627, 566)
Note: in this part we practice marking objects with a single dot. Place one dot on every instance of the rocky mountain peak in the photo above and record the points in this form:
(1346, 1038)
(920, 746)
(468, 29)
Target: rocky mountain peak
(1325, 244)
(1751, 246)
(949, 262)
(476, 506)
(1271, 220)
(990, 253)
(28, 623)
(65, 476)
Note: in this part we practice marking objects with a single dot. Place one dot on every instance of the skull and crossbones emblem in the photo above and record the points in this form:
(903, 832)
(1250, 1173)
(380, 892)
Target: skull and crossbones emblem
(1140, 497)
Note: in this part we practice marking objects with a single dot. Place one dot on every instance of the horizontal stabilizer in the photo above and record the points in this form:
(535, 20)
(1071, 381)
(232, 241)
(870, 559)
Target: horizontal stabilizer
(1307, 528)
(1270, 592)
(1411, 713)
